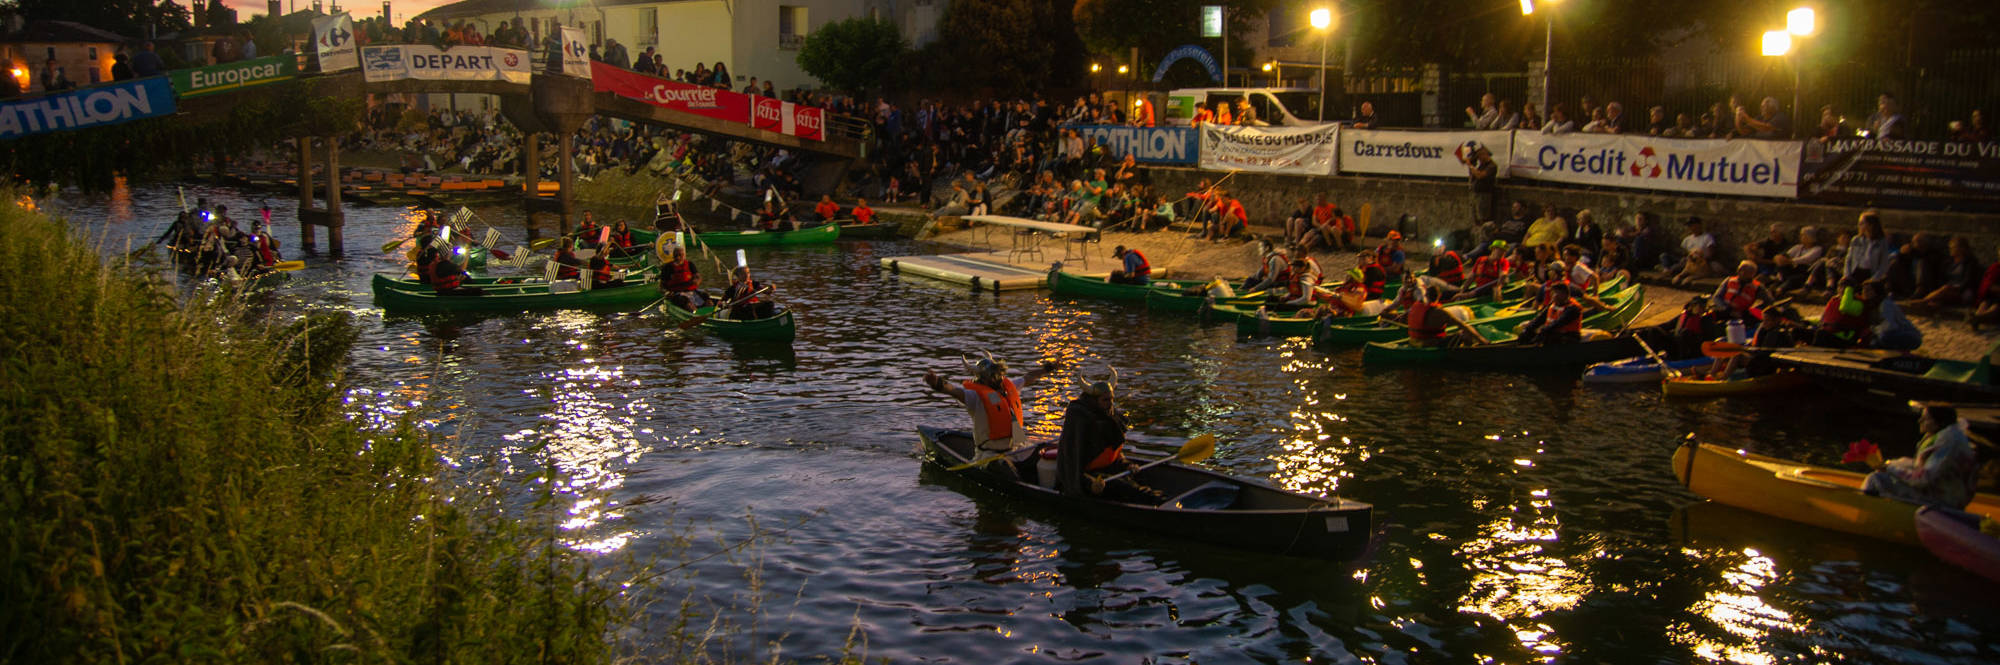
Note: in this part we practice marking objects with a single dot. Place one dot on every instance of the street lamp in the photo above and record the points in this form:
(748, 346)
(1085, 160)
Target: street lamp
(1799, 22)
(1777, 43)
(1548, 48)
(1322, 20)
(1277, 72)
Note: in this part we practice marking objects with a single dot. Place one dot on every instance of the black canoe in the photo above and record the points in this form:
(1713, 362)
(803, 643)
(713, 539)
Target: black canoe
(1202, 505)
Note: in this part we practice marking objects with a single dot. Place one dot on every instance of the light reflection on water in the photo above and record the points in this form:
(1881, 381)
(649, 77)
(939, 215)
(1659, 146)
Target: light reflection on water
(1524, 518)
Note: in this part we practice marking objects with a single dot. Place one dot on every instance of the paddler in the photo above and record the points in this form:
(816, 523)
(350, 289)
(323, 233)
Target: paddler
(1945, 472)
(587, 232)
(1430, 323)
(1844, 322)
(445, 276)
(1739, 296)
(262, 245)
(1374, 276)
(1447, 274)
(1271, 268)
(770, 217)
(1092, 448)
(680, 283)
(568, 266)
(621, 239)
(863, 215)
(1136, 269)
(745, 302)
(1560, 322)
(602, 273)
(826, 209)
(1489, 272)
(994, 402)
(1303, 283)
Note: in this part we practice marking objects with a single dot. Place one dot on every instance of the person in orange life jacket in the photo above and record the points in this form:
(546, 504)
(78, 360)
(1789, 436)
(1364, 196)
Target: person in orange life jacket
(1561, 322)
(1430, 323)
(602, 274)
(1136, 269)
(587, 232)
(863, 215)
(1844, 322)
(1446, 275)
(1202, 114)
(1271, 268)
(571, 267)
(1389, 255)
(1739, 296)
(680, 283)
(445, 276)
(1489, 273)
(1372, 275)
(826, 208)
(994, 402)
(621, 241)
(1303, 287)
(1092, 448)
(743, 292)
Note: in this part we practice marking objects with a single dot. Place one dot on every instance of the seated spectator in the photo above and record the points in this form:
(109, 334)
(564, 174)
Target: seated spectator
(1230, 218)
(1514, 228)
(1656, 121)
(1546, 232)
(1765, 252)
(1986, 300)
(1961, 280)
(1299, 223)
(1870, 249)
(1559, 122)
(1613, 260)
(1332, 229)
(1696, 259)
(1829, 270)
(1796, 263)
(1587, 234)
(1973, 130)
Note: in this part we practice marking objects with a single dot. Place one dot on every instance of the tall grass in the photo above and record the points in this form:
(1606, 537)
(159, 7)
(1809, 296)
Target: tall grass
(178, 485)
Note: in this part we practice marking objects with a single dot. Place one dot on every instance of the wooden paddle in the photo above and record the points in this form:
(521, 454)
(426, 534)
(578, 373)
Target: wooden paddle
(288, 266)
(703, 318)
(1721, 350)
(1196, 449)
(1666, 371)
(1363, 217)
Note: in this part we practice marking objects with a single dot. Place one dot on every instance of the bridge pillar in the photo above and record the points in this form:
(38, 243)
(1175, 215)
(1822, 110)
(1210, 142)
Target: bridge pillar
(329, 217)
(566, 166)
(335, 219)
(531, 178)
(562, 104)
(305, 193)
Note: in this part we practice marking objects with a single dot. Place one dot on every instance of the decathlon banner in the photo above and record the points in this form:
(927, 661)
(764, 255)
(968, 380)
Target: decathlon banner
(1405, 152)
(576, 55)
(242, 74)
(1154, 145)
(697, 99)
(1742, 167)
(1307, 150)
(95, 106)
(334, 38)
(429, 63)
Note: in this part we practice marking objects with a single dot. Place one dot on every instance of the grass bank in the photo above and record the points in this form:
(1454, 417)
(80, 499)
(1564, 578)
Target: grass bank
(177, 485)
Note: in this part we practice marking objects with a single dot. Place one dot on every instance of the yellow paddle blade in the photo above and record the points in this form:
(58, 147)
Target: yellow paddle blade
(1197, 449)
(1362, 218)
(983, 461)
(543, 243)
(288, 266)
(393, 244)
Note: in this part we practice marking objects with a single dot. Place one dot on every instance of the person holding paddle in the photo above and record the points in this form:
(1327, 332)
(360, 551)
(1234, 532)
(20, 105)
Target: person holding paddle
(680, 284)
(994, 402)
(744, 294)
(1092, 446)
(1561, 322)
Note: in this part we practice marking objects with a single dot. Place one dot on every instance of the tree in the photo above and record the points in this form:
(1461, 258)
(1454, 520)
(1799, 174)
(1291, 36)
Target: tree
(853, 54)
(999, 47)
(131, 18)
(1158, 26)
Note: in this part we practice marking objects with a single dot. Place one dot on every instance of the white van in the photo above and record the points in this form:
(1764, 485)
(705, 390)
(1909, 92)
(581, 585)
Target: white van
(1274, 106)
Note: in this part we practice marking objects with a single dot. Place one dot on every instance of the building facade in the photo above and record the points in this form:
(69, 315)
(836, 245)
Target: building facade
(82, 52)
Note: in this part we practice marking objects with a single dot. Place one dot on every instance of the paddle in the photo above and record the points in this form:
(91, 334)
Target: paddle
(181, 192)
(288, 266)
(1196, 449)
(1666, 370)
(1721, 350)
(703, 318)
(1366, 214)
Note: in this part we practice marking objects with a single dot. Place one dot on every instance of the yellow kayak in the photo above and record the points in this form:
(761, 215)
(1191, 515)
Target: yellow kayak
(1769, 383)
(1816, 495)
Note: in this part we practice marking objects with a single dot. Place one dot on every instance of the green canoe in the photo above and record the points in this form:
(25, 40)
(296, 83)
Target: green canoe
(780, 328)
(1081, 286)
(1624, 304)
(1279, 324)
(1164, 300)
(1483, 312)
(398, 295)
(875, 231)
(811, 235)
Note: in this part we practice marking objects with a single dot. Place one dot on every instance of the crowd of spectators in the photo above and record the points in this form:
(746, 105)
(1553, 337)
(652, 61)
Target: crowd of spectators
(1731, 119)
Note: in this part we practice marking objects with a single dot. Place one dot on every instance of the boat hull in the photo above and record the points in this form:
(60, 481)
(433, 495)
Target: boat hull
(1820, 496)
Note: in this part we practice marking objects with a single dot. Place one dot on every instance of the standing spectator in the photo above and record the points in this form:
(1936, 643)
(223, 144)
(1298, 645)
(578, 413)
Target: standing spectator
(1509, 120)
(1683, 128)
(645, 63)
(1488, 114)
(1597, 125)
(770, 90)
(719, 77)
(1483, 175)
(53, 77)
(1706, 129)
(1973, 130)
(1531, 117)
(751, 87)
(1366, 119)
(249, 45)
(616, 55)
(1656, 122)
(121, 68)
(1887, 122)
(1559, 122)
(1772, 123)
(1614, 118)
(1245, 115)
(146, 62)
(1723, 124)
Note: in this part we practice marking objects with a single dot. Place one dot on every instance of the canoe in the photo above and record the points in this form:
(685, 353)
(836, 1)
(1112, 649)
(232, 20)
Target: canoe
(875, 231)
(1163, 300)
(1908, 375)
(811, 235)
(1284, 324)
(1637, 369)
(779, 328)
(1486, 312)
(1070, 284)
(1202, 506)
(1624, 304)
(1820, 496)
(1769, 383)
(396, 295)
(1955, 537)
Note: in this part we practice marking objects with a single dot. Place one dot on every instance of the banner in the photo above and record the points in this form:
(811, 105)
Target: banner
(1741, 167)
(1882, 171)
(95, 106)
(1153, 145)
(768, 114)
(429, 63)
(1406, 152)
(334, 36)
(576, 55)
(1304, 150)
(241, 74)
(686, 97)
(809, 123)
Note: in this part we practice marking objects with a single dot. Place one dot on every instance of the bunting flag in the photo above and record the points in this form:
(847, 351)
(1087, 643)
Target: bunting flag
(713, 204)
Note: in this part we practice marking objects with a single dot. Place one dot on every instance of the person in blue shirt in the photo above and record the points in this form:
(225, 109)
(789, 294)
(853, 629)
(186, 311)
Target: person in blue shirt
(1136, 270)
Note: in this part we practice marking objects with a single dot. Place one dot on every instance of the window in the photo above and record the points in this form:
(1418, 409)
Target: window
(93, 54)
(96, 74)
(649, 27)
(791, 27)
(52, 53)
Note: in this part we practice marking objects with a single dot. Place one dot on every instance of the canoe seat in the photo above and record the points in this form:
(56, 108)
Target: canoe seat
(1953, 372)
(1213, 495)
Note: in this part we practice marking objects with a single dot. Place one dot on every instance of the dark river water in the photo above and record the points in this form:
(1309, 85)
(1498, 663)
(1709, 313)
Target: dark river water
(1521, 518)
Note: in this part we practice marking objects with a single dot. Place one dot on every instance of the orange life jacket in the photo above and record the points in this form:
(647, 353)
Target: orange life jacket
(1738, 297)
(1548, 290)
(1488, 269)
(1145, 268)
(1555, 311)
(679, 276)
(1420, 314)
(1003, 410)
(445, 275)
(600, 270)
(1451, 267)
(1106, 457)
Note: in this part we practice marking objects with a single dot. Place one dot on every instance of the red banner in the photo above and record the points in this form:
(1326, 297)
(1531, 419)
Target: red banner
(697, 99)
(809, 123)
(768, 114)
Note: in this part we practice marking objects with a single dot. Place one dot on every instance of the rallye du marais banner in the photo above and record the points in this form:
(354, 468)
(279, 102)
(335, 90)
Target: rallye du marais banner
(1419, 153)
(1737, 167)
(95, 106)
(429, 63)
(1307, 150)
(1153, 145)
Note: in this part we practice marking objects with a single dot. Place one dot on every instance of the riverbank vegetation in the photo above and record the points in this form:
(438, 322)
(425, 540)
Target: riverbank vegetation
(178, 484)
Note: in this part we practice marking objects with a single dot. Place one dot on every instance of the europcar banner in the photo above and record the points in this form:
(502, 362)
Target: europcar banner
(1742, 167)
(1153, 145)
(697, 99)
(429, 63)
(230, 76)
(333, 36)
(1864, 171)
(576, 55)
(1405, 152)
(1306, 150)
(95, 106)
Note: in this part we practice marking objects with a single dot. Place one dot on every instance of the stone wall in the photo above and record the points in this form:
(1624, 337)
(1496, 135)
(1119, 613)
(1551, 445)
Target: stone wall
(1437, 207)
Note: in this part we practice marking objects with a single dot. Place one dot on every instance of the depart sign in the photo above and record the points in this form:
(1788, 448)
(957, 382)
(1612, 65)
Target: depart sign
(230, 76)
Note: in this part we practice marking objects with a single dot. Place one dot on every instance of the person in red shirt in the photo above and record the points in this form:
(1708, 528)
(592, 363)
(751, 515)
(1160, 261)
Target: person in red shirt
(863, 215)
(1230, 217)
(826, 208)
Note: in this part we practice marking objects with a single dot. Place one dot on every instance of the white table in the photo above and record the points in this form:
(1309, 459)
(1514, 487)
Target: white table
(1028, 239)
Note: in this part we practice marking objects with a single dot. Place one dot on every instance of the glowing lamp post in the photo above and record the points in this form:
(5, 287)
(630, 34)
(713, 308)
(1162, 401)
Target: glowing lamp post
(1548, 47)
(1322, 20)
(1799, 22)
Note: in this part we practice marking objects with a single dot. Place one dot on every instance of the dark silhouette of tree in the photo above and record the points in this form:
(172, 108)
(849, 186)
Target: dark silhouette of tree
(853, 54)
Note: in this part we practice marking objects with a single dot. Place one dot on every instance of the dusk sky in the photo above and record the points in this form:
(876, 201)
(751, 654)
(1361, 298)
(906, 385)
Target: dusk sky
(361, 9)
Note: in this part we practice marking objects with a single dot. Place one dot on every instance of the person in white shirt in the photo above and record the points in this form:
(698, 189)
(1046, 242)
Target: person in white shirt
(1698, 246)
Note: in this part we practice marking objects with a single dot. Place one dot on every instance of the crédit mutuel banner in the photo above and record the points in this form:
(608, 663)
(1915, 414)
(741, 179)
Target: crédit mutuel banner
(230, 76)
(1420, 153)
(1742, 167)
(697, 99)
(95, 106)
(1304, 150)
(429, 63)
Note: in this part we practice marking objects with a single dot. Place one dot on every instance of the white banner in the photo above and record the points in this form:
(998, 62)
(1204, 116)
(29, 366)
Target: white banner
(429, 63)
(334, 37)
(1742, 167)
(1307, 150)
(1401, 152)
(576, 55)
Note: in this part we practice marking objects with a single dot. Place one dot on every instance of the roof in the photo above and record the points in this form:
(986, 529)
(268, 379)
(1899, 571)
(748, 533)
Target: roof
(58, 32)
(472, 8)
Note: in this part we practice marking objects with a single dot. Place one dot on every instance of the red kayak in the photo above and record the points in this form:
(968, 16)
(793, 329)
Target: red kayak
(1955, 537)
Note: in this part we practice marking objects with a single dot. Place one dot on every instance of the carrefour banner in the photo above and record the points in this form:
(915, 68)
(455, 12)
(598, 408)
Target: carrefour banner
(576, 56)
(1306, 150)
(95, 106)
(333, 37)
(1155, 145)
(429, 63)
(1741, 167)
(697, 99)
(230, 76)
(1421, 153)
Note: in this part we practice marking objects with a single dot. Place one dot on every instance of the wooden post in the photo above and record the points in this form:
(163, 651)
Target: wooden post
(531, 178)
(334, 219)
(567, 168)
(305, 193)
